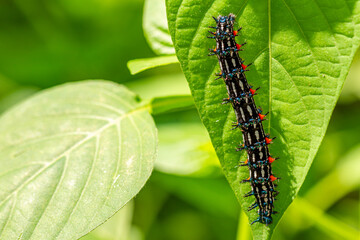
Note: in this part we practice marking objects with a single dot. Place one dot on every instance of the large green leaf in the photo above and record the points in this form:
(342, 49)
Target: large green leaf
(301, 51)
(70, 157)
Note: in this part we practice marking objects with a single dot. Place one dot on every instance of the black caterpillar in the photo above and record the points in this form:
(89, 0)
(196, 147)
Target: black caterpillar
(249, 117)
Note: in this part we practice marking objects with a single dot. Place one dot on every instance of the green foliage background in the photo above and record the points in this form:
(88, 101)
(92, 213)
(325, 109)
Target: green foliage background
(47, 43)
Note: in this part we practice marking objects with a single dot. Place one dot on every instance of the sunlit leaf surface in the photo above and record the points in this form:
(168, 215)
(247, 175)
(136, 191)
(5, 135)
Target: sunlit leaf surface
(70, 157)
(301, 52)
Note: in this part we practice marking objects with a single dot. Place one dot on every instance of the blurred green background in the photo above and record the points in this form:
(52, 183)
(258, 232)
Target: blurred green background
(46, 43)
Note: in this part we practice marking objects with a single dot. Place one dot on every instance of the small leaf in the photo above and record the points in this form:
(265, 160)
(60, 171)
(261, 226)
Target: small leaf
(302, 51)
(138, 65)
(171, 103)
(70, 157)
(161, 85)
(156, 27)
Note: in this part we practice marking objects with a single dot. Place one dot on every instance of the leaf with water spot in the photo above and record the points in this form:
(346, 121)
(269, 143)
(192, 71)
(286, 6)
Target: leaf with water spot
(70, 157)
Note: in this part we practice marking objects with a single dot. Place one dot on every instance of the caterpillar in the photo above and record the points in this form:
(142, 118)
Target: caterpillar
(249, 117)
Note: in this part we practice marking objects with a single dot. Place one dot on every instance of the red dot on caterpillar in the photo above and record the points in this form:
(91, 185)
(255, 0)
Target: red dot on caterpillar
(238, 46)
(243, 66)
(271, 159)
(262, 116)
(235, 32)
(268, 140)
(253, 91)
(273, 178)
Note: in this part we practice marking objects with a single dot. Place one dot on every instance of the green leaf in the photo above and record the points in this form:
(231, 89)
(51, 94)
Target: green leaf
(70, 157)
(6, 86)
(156, 27)
(330, 225)
(351, 91)
(171, 103)
(160, 86)
(243, 227)
(139, 65)
(212, 195)
(341, 181)
(310, 210)
(301, 51)
(118, 227)
(16, 96)
(191, 150)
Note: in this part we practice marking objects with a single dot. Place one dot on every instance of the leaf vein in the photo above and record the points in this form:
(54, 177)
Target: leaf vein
(96, 155)
(72, 148)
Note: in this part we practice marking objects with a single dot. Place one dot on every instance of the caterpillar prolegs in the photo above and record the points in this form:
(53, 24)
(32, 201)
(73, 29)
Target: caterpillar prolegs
(249, 117)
